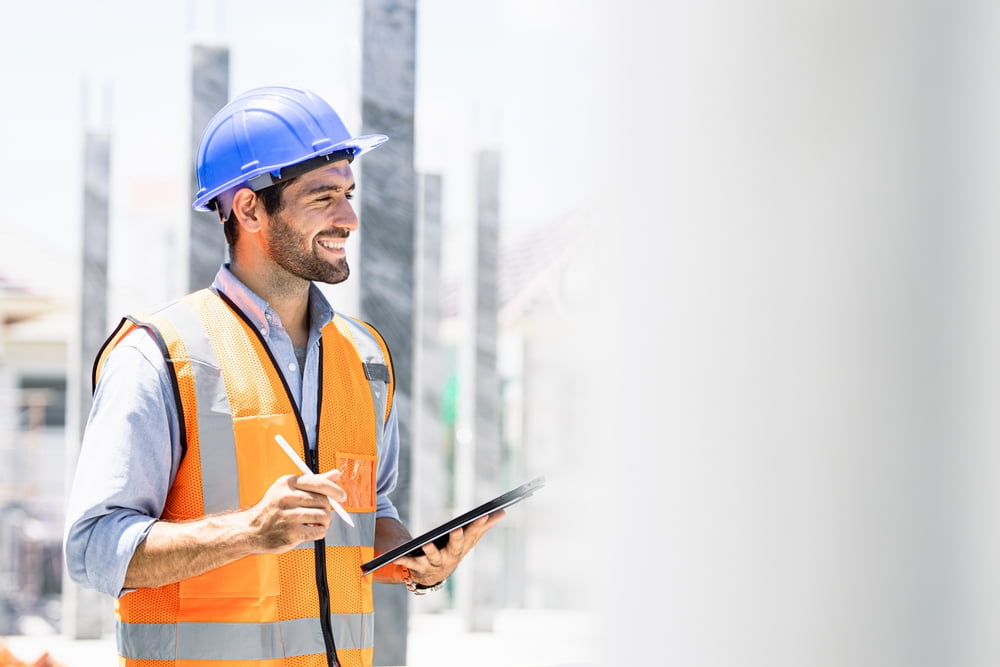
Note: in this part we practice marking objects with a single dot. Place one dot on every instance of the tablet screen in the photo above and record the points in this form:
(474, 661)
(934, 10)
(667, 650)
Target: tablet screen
(439, 535)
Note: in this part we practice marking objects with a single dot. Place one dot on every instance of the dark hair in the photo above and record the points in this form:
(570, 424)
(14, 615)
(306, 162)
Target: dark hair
(230, 229)
(273, 203)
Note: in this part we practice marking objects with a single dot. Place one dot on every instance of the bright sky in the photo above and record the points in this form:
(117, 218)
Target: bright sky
(510, 75)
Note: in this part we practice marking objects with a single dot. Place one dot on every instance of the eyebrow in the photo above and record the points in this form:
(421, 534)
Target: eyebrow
(325, 187)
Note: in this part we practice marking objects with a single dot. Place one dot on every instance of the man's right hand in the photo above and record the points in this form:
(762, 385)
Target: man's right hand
(295, 509)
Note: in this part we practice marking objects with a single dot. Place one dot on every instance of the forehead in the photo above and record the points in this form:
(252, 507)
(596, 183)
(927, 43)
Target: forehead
(335, 176)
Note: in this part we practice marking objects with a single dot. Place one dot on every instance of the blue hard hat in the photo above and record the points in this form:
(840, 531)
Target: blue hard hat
(258, 136)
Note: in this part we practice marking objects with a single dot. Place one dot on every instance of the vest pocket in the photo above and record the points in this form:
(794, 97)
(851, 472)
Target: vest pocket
(247, 577)
(358, 480)
(238, 592)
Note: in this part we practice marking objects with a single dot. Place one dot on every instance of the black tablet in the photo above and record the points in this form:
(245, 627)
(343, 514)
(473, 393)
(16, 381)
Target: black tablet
(439, 535)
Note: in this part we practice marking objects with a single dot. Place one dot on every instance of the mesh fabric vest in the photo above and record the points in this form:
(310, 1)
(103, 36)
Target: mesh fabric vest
(306, 607)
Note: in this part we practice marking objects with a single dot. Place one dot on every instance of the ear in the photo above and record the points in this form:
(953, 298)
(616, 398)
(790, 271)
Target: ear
(248, 209)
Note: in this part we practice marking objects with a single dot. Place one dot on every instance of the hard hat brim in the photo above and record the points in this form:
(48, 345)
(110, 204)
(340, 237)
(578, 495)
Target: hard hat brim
(360, 146)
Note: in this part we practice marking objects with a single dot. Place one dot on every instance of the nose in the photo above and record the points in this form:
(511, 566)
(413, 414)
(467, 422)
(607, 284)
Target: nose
(345, 217)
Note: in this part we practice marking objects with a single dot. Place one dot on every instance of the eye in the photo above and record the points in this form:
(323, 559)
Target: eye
(349, 195)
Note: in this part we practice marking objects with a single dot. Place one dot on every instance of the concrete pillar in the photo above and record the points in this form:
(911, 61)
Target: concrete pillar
(430, 477)
(387, 248)
(209, 93)
(82, 607)
(479, 464)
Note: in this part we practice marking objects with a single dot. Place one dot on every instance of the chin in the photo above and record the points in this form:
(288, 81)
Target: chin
(337, 278)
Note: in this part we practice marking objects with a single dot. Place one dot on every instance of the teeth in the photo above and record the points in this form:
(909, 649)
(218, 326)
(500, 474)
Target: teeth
(333, 245)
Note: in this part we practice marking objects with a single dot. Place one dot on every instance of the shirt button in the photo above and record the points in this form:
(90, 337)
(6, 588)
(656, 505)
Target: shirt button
(291, 367)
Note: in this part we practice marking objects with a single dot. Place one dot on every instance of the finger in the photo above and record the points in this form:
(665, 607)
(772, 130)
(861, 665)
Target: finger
(474, 531)
(423, 572)
(321, 485)
(326, 480)
(314, 517)
(431, 559)
(432, 555)
(457, 538)
(287, 492)
(478, 528)
(409, 562)
(292, 520)
(462, 540)
(310, 532)
(288, 527)
(297, 499)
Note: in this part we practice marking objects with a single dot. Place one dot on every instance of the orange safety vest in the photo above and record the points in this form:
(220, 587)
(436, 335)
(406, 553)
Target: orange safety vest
(308, 606)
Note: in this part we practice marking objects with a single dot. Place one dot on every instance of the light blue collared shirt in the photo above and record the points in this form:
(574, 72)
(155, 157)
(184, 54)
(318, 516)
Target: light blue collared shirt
(126, 467)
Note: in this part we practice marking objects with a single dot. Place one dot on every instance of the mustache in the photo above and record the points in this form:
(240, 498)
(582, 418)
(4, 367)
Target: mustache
(336, 233)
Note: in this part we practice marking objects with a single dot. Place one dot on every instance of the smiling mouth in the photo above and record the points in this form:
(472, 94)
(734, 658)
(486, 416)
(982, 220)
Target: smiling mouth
(337, 244)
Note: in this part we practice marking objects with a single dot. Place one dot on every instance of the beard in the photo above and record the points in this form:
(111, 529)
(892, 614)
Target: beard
(288, 251)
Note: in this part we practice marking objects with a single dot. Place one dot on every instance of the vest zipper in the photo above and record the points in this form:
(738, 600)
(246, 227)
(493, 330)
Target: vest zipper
(322, 586)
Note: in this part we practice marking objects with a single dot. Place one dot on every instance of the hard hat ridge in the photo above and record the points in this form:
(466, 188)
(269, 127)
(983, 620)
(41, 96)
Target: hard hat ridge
(261, 133)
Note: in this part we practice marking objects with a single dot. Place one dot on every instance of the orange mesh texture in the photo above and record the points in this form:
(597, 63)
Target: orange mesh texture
(350, 593)
(235, 350)
(315, 660)
(297, 578)
(347, 415)
(355, 658)
(149, 605)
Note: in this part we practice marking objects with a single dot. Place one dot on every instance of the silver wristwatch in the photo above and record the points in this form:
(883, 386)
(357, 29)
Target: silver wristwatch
(420, 589)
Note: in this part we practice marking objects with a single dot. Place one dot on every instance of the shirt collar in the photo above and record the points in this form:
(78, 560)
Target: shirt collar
(258, 310)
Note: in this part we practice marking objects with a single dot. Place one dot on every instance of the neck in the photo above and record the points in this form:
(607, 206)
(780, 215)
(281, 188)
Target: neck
(286, 294)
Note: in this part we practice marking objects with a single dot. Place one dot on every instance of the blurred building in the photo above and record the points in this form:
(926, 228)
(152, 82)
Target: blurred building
(540, 421)
(32, 441)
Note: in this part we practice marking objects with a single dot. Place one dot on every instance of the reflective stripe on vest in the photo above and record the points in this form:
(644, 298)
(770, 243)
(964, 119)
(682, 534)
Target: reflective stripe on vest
(231, 641)
(232, 400)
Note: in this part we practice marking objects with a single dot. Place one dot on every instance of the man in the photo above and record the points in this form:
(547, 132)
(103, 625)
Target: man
(184, 507)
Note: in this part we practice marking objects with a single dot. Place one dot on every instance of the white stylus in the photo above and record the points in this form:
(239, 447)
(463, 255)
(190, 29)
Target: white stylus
(300, 464)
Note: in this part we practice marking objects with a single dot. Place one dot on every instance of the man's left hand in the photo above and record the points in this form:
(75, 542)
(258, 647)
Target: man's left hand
(436, 565)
